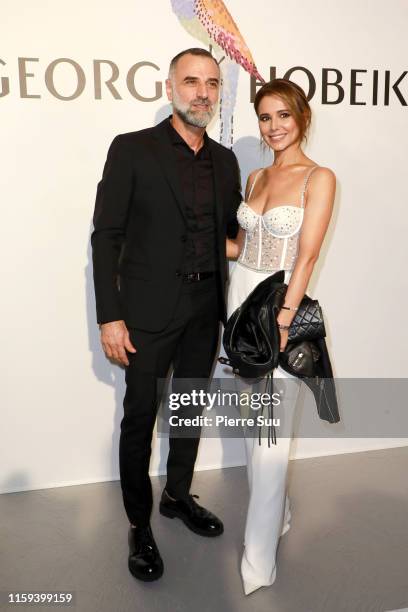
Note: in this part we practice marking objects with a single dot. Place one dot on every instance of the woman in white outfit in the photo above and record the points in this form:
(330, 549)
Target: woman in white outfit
(283, 221)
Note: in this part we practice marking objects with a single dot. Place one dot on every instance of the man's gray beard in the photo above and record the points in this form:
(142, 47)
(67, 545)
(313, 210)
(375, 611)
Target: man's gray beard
(191, 118)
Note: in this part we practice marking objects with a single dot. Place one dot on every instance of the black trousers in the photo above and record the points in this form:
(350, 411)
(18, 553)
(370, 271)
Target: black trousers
(189, 343)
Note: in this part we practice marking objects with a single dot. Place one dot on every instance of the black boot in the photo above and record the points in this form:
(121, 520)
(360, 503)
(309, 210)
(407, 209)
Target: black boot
(145, 562)
(195, 517)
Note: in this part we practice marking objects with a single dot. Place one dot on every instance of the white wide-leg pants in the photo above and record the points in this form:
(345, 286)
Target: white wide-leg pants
(268, 510)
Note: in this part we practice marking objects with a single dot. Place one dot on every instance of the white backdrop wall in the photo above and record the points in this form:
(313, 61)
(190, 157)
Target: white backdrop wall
(60, 398)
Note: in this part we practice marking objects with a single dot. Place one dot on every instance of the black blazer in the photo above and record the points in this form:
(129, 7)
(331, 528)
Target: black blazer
(139, 233)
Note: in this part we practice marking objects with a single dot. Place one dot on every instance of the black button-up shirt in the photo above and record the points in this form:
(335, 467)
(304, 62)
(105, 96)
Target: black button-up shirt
(196, 178)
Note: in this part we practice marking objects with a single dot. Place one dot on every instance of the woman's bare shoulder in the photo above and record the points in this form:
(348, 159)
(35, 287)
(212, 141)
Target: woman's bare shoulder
(321, 188)
(322, 173)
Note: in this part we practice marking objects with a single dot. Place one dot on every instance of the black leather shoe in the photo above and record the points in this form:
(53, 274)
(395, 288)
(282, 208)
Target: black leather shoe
(145, 562)
(198, 519)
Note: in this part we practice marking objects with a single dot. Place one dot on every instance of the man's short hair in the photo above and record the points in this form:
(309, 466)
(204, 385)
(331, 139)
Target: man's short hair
(192, 51)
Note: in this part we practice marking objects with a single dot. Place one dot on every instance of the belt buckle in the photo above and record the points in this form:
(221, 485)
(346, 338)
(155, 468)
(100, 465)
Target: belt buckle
(193, 277)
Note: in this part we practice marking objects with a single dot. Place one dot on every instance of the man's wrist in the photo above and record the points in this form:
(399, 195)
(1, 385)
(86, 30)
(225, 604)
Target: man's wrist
(109, 322)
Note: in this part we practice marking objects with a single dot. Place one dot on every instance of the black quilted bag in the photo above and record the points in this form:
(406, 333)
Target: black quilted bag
(308, 322)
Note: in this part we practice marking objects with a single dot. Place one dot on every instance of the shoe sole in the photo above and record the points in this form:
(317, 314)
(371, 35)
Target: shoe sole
(173, 514)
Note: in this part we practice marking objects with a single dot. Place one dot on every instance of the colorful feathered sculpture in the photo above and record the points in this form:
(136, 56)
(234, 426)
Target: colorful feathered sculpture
(210, 22)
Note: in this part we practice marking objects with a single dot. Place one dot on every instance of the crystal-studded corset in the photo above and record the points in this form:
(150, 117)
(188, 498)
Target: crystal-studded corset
(272, 239)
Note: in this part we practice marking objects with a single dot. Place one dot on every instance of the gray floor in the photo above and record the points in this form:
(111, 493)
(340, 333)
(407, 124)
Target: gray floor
(347, 549)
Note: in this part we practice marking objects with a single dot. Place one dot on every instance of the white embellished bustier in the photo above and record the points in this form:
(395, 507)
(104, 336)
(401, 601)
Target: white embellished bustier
(272, 239)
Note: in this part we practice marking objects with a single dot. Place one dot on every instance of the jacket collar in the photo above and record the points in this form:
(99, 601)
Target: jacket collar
(163, 149)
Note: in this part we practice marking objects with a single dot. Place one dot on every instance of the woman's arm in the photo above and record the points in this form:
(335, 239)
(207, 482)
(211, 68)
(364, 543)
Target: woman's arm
(234, 245)
(318, 211)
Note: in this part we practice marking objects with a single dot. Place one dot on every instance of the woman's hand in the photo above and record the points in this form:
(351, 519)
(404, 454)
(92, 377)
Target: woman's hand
(232, 249)
(284, 339)
(234, 245)
(284, 318)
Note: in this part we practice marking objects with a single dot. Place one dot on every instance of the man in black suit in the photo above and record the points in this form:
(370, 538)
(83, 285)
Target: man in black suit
(166, 202)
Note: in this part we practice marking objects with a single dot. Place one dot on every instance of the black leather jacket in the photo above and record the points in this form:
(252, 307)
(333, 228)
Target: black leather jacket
(320, 381)
(252, 340)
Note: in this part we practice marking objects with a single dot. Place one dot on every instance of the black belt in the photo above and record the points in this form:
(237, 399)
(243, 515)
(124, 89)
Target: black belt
(194, 277)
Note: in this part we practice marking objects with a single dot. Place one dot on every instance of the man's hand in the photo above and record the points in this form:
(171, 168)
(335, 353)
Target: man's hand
(115, 339)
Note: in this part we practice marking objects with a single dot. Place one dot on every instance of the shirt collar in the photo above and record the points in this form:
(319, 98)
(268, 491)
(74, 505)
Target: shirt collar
(177, 139)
